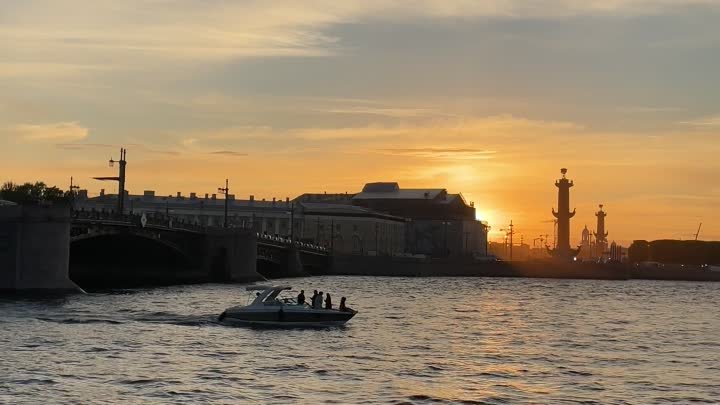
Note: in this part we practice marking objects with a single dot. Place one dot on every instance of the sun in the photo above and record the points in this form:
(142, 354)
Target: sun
(488, 216)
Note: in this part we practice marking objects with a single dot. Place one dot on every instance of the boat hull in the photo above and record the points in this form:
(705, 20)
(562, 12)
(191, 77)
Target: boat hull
(286, 317)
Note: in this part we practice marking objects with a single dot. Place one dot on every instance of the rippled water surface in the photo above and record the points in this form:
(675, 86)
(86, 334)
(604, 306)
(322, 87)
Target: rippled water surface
(415, 341)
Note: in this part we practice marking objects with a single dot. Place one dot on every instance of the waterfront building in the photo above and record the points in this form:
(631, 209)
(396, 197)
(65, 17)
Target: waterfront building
(348, 229)
(345, 228)
(438, 223)
(587, 248)
(381, 220)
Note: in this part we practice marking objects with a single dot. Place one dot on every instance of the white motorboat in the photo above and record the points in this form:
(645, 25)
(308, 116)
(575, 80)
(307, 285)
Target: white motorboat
(268, 309)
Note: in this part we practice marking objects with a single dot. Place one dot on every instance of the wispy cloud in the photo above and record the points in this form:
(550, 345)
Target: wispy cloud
(59, 131)
(83, 146)
(387, 112)
(37, 69)
(649, 109)
(438, 129)
(51, 38)
(228, 153)
(709, 121)
(442, 153)
(188, 142)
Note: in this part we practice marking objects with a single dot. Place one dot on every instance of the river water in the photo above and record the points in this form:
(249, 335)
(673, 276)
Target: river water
(415, 341)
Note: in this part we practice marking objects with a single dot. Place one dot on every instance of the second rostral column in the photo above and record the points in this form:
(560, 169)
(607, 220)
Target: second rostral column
(563, 215)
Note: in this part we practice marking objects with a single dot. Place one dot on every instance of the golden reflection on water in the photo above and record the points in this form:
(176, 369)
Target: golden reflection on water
(415, 340)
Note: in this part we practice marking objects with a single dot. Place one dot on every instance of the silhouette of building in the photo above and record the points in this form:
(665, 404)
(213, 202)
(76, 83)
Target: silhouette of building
(339, 226)
(563, 215)
(439, 223)
(381, 220)
(694, 252)
(587, 249)
(601, 243)
(616, 254)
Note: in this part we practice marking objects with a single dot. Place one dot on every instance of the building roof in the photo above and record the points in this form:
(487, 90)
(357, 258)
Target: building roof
(345, 210)
(401, 194)
(392, 191)
(449, 198)
(381, 187)
(336, 198)
(190, 202)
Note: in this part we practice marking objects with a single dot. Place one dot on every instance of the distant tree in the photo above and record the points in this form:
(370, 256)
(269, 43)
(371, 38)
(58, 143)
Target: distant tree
(31, 193)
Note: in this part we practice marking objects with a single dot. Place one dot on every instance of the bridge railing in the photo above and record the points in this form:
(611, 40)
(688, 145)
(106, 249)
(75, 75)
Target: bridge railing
(161, 221)
(135, 219)
(287, 241)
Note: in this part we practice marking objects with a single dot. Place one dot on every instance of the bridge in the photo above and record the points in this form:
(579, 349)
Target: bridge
(129, 250)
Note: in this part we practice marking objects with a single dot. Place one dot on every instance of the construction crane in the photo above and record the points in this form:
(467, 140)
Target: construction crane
(698, 231)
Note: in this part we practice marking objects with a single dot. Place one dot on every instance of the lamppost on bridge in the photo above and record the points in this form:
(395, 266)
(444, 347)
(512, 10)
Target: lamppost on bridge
(73, 190)
(225, 191)
(292, 223)
(120, 178)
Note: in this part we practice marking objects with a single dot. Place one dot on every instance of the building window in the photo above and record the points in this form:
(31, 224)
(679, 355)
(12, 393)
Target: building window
(357, 245)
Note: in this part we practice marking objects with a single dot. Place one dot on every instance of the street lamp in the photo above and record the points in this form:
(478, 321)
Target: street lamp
(73, 191)
(225, 191)
(120, 178)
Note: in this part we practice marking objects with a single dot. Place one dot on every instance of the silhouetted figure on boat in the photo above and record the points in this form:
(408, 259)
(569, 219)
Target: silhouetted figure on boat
(312, 300)
(328, 301)
(301, 297)
(318, 301)
(342, 305)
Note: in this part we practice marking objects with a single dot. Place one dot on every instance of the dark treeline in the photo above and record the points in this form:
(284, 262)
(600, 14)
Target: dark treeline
(675, 251)
(32, 193)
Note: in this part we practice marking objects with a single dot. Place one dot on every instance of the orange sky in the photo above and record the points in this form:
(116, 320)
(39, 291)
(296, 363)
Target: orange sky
(489, 99)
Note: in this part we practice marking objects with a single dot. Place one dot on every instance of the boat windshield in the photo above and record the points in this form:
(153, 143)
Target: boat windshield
(270, 296)
(277, 298)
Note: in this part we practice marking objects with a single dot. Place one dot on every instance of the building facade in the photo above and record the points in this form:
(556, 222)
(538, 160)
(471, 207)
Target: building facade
(381, 220)
(345, 228)
(438, 223)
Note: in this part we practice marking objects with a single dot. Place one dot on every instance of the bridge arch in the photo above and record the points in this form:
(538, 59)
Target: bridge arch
(99, 257)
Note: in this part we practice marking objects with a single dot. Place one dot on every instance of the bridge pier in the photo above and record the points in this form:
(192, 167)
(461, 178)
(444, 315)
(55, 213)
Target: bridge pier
(35, 248)
(295, 266)
(231, 255)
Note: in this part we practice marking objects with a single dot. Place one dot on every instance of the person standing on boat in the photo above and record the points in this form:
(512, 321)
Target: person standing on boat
(312, 300)
(301, 297)
(328, 301)
(318, 301)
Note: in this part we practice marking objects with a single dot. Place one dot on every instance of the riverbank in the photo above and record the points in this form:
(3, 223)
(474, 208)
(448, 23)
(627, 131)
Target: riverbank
(430, 267)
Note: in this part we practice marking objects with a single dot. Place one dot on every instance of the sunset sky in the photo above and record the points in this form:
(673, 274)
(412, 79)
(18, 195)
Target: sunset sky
(488, 98)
